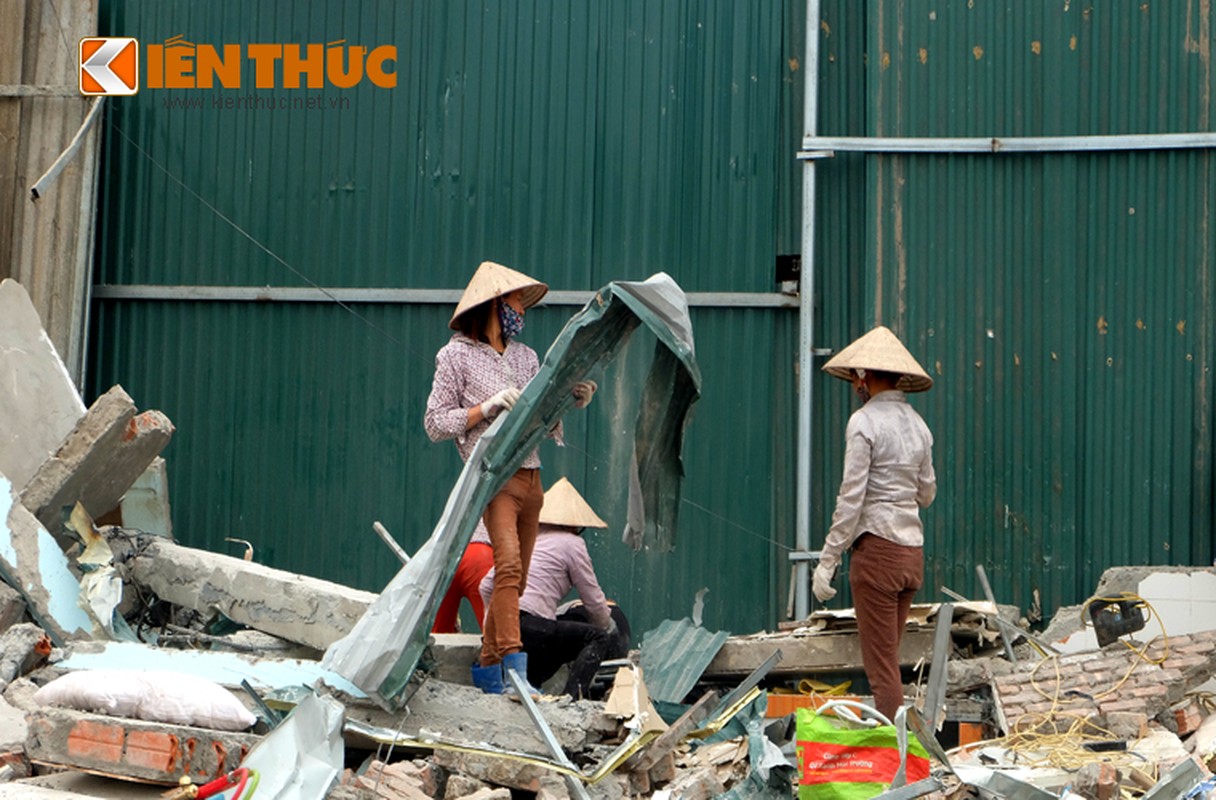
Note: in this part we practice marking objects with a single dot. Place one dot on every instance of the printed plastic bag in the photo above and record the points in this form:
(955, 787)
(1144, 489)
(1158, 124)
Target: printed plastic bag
(839, 759)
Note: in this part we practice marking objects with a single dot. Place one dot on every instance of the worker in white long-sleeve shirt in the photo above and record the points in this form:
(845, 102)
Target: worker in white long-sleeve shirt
(560, 561)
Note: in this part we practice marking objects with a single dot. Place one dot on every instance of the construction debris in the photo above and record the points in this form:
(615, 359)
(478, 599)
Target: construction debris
(300, 609)
(1121, 712)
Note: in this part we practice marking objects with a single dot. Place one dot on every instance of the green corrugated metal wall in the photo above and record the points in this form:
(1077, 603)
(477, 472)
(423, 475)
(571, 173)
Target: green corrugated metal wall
(1061, 301)
(585, 142)
(581, 142)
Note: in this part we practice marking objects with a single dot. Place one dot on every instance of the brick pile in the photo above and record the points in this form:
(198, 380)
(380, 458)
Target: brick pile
(1100, 684)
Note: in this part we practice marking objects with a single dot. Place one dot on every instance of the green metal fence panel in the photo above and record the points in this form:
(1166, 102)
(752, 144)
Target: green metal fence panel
(580, 142)
(1060, 300)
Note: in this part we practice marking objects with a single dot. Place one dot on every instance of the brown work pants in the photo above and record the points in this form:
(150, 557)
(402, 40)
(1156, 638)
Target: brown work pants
(884, 577)
(511, 518)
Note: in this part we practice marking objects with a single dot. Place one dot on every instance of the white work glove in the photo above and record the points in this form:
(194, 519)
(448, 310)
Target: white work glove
(821, 583)
(503, 401)
(583, 392)
(612, 629)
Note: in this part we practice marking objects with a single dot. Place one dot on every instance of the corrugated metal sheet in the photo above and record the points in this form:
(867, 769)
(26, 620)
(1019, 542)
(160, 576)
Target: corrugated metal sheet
(579, 141)
(1060, 300)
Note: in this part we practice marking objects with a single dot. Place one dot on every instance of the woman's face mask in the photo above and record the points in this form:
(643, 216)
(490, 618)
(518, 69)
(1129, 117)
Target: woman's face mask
(510, 320)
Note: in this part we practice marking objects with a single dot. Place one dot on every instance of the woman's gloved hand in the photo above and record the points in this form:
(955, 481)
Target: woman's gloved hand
(583, 392)
(821, 583)
(503, 401)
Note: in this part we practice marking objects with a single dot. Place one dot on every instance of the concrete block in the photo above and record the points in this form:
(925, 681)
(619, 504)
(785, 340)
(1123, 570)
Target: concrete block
(465, 714)
(38, 401)
(12, 607)
(493, 769)
(22, 648)
(1127, 725)
(803, 653)
(107, 450)
(12, 728)
(133, 748)
(490, 793)
(552, 787)
(33, 563)
(462, 786)
(295, 607)
(701, 783)
(453, 654)
(399, 781)
(1097, 780)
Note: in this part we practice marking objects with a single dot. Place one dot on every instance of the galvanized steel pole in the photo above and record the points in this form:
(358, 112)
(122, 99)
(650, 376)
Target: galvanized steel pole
(806, 319)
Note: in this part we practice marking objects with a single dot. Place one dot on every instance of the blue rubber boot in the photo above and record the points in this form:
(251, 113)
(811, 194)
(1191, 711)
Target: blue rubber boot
(519, 663)
(488, 679)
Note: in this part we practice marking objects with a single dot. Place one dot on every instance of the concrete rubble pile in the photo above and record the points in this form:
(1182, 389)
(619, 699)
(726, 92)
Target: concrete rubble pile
(111, 649)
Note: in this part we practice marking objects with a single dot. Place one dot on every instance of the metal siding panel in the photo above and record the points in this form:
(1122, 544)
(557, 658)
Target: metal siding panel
(1053, 463)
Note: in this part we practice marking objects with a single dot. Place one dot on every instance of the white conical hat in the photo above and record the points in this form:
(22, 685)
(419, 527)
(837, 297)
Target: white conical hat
(566, 507)
(494, 280)
(880, 350)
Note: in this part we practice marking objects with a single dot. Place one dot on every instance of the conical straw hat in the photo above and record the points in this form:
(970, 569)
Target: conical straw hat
(494, 280)
(566, 507)
(880, 350)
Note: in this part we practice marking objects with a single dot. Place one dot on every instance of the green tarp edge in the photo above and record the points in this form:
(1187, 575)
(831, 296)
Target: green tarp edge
(383, 649)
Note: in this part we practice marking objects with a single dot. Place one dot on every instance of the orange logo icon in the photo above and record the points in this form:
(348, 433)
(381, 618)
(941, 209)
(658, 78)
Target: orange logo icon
(109, 66)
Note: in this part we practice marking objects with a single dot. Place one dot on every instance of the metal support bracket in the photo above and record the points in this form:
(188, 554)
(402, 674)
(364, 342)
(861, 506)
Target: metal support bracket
(573, 784)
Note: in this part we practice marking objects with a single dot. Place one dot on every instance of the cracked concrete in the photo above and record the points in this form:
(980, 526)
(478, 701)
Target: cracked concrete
(295, 607)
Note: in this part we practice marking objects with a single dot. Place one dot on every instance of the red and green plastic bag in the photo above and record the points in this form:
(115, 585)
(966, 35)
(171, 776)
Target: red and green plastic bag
(843, 760)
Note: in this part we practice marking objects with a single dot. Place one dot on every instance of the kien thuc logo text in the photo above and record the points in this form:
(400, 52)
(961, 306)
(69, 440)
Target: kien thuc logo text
(110, 66)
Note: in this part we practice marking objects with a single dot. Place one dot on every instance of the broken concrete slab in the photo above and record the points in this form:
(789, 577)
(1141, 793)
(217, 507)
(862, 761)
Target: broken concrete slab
(22, 648)
(77, 786)
(295, 607)
(804, 653)
(38, 401)
(465, 714)
(493, 769)
(106, 451)
(12, 607)
(32, 562)
(12, 728)
(135, 749)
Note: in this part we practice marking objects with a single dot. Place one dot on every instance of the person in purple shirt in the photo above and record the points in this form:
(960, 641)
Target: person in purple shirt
(479, 374)
(587, 634)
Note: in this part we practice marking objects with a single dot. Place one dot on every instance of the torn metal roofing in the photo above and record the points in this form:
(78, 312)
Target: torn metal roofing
(382, 651)
(674, 656)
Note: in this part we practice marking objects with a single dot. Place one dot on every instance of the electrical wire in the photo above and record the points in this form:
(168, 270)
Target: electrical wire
(1056, 737)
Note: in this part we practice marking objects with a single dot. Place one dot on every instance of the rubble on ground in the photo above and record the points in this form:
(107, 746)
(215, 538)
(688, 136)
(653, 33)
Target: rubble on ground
(692, 713)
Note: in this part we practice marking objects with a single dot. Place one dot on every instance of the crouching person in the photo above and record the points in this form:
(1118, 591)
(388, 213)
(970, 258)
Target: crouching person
(560, 561)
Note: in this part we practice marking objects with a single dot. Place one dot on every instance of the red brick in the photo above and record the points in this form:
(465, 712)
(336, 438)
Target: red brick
(1158, 690)
(1122, 705)
(154, 750)
(101, 741)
